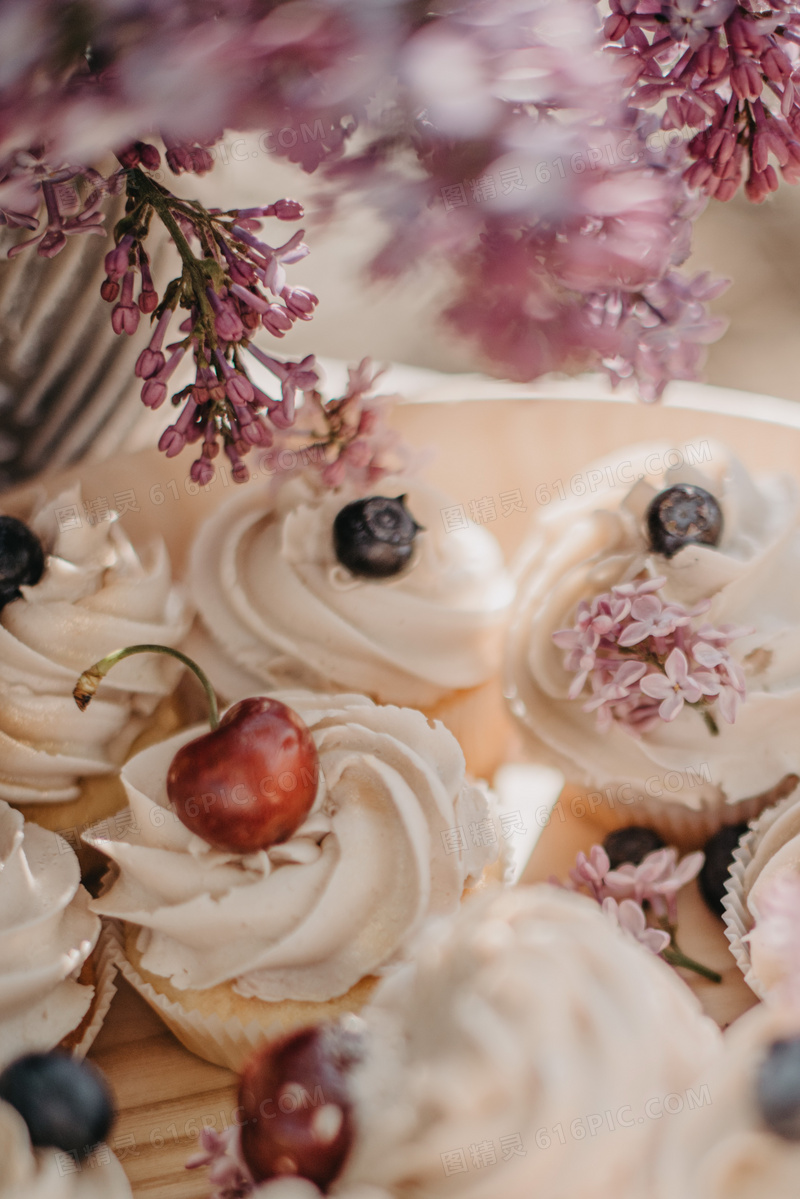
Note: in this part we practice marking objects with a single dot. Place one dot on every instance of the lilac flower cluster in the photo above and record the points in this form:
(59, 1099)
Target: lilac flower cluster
(578, 272)
(348, 439)
(644, 659)
(729, 70)
(232, 284)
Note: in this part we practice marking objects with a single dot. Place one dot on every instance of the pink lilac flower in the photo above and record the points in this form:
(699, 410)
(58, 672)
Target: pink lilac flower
(591, 871)
(676, 686)
(725, 68)
(220, 1153)
(656, 880)
(644, 661)
(631, 918)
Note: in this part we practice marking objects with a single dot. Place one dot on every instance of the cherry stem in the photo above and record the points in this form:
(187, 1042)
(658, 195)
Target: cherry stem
(90, 680)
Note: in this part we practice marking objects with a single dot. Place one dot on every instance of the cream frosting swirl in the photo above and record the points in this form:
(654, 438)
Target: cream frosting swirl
(775, 860)
(582, 548)
(721, 1148)
(26, 1173)
(308, 918)
(46, 934)
(521, 1020)
(274, 600)
(96, 595)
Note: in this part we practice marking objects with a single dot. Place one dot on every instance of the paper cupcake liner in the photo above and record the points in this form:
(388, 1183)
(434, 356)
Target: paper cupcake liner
(735, 912)
(688, 828)
(105, 968)
(223, 1042)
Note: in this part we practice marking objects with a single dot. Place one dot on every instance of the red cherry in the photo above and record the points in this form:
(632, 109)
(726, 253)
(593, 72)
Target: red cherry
(251, 782)
(297, 1110)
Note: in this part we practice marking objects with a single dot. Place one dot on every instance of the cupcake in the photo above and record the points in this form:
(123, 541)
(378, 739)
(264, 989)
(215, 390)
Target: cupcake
(740, 1137)
(71, 592)
(56, 979)
(235, 945)
(55, 1114)
(653, 649)
(518, 1055)
(763, 900)
(336, 591)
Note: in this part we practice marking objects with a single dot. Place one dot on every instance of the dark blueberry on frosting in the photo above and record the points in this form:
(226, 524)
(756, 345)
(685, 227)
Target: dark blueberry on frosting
(719, 856)
(631, 845)
(375, 537)
(683, 515)
(297, 1109)
(778, 1088)
(21, 558)
(65, 1102)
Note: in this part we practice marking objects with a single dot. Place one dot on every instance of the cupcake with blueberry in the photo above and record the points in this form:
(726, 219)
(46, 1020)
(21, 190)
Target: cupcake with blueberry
(56, 974)
(654, 649)
(69, 593)
(515, 1056)
(55, 1115)
(274, 867)
(738, 1133)
(341, 591)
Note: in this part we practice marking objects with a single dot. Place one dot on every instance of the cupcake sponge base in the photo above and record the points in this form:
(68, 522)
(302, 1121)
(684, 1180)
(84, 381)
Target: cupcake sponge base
(218, 1024)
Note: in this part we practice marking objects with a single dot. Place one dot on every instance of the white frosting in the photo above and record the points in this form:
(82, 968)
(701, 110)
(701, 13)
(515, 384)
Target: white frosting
(26, 1173)
(310, 917)
(776, 858)
(46, 934)
(721, 1148)
(96, 595)
(275, 600)
(525, 1013)
(582, 548)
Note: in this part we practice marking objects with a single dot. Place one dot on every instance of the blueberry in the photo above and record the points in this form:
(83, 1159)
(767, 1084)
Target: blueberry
(21, 558)
(375, 537)
(631, 845)
(719, 855)
(65, 1102)
(683, 515)
(778, 1088)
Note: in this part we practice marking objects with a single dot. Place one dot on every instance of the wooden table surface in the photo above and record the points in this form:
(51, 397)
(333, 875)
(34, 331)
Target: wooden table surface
(166, 1094)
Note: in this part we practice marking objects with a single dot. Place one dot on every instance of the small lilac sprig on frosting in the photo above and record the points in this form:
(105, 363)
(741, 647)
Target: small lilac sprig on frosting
(624, 891)
(228, 1175)
(644, 659)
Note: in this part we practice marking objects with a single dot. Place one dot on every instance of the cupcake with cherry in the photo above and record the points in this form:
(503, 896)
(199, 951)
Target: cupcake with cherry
(275, 865)
(70, 592)
(652, 654)
(55, 1115)
(475, 1070)
(344, 577)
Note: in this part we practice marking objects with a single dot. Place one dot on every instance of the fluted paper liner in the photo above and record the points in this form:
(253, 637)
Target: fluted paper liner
(104, 961)
(735, 912)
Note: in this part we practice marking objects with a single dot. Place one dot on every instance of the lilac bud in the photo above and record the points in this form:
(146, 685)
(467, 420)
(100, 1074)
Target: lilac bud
(239, 389)
(149, 363)
(148, 156)
(201, 471)
(288, 210)
(179, 159)
(124, 318)
(171, 442)
(202, 162)
(109, 290)
(154, 393)
(118, 260)
(51, 244)
(277, 319)
(299, 301)
(616, 26)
